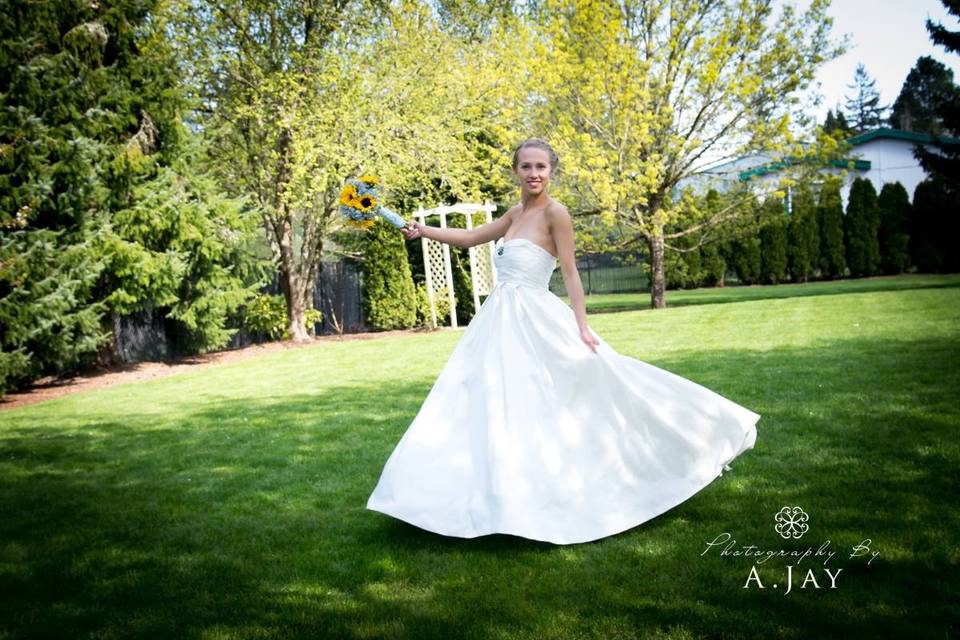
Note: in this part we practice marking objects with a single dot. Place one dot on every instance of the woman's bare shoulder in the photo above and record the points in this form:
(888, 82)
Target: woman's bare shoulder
(555, 209)
(511, 213)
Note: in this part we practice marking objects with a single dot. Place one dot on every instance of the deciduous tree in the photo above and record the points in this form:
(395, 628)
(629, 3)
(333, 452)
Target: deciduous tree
(639, 95)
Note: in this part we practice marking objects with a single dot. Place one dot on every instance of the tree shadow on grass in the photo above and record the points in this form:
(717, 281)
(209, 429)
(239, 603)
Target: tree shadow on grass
(723, 295)
(246, 518)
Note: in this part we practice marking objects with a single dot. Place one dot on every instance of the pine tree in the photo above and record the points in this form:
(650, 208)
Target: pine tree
(950, 40)
(944, 163)
(55, 144)
(830, 224)
(842, 123)
(929, 87)
(894, 203)
(863, 108)
(804, 240)
(47, 323)
(861, 229)
(830, 123)
(836, 122)
(94, 222)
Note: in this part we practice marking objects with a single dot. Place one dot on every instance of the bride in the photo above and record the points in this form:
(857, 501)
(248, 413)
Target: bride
(535, 426)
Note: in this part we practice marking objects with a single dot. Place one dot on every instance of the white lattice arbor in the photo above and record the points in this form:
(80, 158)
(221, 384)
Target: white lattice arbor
(436, 258)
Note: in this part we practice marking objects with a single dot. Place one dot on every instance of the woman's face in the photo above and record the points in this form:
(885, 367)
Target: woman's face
(533, 170)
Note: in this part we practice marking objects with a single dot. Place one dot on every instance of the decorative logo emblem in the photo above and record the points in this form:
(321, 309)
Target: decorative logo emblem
(791, 522)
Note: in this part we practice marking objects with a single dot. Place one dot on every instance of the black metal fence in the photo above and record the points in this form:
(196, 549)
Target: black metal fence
(620, 272)
(338, 296)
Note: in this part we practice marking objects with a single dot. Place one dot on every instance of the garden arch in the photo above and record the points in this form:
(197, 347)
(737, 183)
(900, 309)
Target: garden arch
(436, 258)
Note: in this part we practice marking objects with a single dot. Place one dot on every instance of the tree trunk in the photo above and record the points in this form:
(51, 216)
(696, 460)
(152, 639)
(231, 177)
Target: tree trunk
(291, 285)
(296, 311)
(657, 300)
(289, 271)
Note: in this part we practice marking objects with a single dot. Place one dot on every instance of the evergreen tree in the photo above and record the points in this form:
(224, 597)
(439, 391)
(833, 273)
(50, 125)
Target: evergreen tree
(830, 224)
(773, 243)
(949, 40)
(803, 236)
(389, 300)
(94, 222)
(894, 203)
(52, 157)
(460, 266)
(944, 163)
(695, 262)
(713, 254)
(714, 265)
(683, 265)
(933, 228)
(462, 286)
(836, 122)
(47, 323)
(863, 108)
(745, 258)
(861, 229)
(928, 88)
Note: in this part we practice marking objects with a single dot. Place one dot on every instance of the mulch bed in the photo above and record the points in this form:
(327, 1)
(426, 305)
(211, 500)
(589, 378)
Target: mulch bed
(97, 377)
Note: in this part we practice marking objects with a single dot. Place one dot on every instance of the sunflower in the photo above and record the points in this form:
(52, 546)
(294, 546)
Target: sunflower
(349, 195)
(361, 224)
(368, 179)
(365, 203)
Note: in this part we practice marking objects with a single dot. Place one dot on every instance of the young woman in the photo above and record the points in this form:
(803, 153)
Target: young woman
(535, 426)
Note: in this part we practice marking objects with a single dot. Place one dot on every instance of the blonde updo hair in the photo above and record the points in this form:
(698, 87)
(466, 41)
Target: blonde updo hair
(539, 143)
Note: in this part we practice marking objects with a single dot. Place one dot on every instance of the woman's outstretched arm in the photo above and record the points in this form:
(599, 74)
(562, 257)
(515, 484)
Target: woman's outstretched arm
(460, 237)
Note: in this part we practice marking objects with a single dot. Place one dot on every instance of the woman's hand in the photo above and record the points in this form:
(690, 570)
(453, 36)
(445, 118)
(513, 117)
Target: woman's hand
(586, 334)
(413, 230)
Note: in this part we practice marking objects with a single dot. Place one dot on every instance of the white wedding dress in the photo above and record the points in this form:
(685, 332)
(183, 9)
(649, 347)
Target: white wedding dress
(528, 432)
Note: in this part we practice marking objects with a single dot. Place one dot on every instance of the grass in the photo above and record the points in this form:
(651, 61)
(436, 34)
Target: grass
(229, 502)
(717, 295)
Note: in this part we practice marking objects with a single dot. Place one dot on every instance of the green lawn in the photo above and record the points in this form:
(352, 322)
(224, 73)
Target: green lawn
(229, 502)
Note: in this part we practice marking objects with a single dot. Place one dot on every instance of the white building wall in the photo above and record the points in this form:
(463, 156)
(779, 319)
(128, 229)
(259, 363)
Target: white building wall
(891, 160)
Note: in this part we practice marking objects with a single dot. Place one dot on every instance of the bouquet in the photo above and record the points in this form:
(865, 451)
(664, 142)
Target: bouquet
(360, 204)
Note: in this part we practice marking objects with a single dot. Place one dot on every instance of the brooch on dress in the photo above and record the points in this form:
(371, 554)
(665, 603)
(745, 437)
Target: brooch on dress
(500, 250)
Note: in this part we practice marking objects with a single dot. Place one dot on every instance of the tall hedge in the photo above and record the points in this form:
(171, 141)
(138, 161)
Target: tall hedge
(683, 269)
(697, 266)
(803, 235)
(713, 265)
(389, 297)
(894, 203)
(773, 243)
(861, 229)
(745, 258)
(933, 228)
(830, 225)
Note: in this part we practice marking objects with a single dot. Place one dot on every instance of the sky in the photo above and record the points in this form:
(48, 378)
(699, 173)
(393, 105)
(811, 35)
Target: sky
(887, 36)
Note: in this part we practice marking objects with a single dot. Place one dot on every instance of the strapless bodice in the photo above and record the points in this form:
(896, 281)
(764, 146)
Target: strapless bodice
(522, 261)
